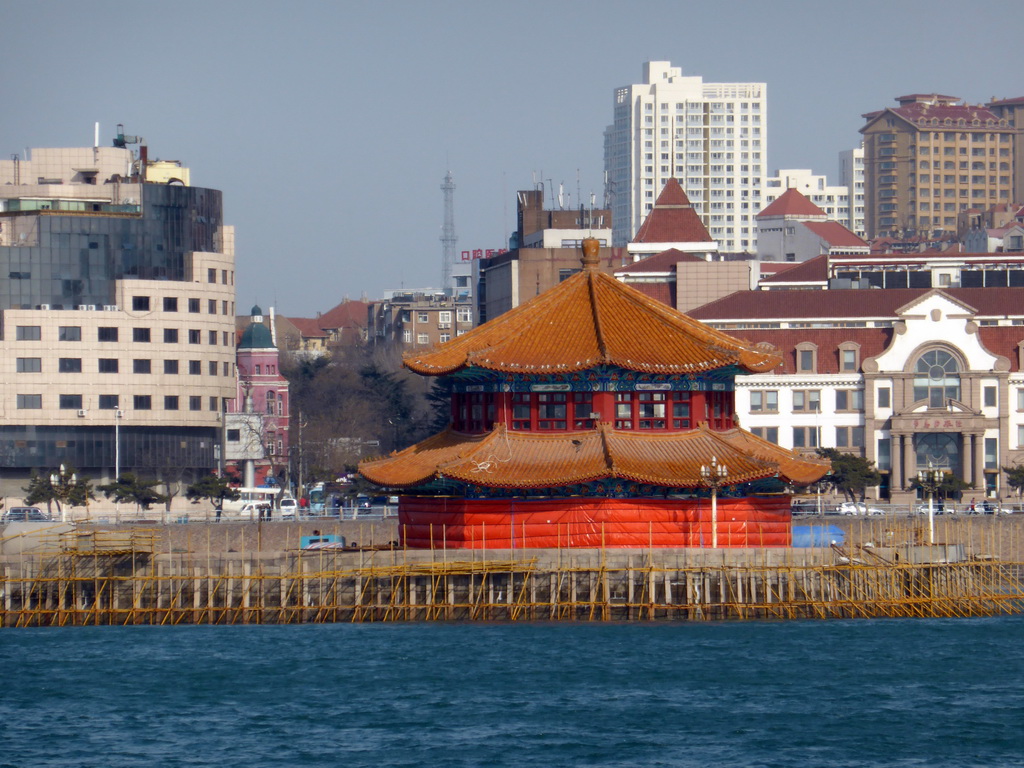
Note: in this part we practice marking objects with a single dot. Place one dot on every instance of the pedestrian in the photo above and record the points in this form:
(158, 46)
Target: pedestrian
(971, 509)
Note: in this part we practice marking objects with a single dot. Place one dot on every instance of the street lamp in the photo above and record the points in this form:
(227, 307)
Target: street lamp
(713, 476)
(63, 487)
(932, 481)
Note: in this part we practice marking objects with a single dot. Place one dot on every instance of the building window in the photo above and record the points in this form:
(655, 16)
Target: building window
(234, 436)
(69, 365)
(106, 333)
(213, 403)
(193, 306)
(28, 333)
(650, 410)
(142, 366)
(29, 402)
(422, 338)
(805, 437)
(30, 365)
(771, 434)
(140, 303)
(807, 400)
(108, 365)
(407, 337)
(849, 437)
(70, 402)
(211, 275)
(212, 367)
(170, 402)
(464, 314)
(444, 317)
(885, 397)
(195, 336)
(991, 453)
(849, 357)
(170, 335)
(69, 333)
(142, 402)
(211, 337)
(170, 303)
(849, 399)
(109, 402)
(445, 337)
(937, 378)
(195, 403)
(170, 366)
(195, 367)
(623, 410)
(140, 335)
(989, 397)
(884, 458)
(764, 401)
(806, 358)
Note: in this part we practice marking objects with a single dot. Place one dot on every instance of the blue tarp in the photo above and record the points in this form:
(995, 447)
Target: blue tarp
(817, 535)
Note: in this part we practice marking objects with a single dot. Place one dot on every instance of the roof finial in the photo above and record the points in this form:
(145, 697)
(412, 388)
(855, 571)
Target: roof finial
(590, 258)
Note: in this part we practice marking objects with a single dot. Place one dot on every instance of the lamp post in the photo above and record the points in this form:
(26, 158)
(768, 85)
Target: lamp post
(713, 476)
(932, 481)
(63, 487)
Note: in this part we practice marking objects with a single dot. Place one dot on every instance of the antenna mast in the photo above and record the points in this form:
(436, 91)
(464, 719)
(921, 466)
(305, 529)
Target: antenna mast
(448, 237)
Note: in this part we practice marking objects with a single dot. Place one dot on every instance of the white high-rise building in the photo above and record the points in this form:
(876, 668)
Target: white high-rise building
(851, 175)
(711, 137)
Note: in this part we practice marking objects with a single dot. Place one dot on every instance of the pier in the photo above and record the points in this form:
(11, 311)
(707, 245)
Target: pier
(246, 574)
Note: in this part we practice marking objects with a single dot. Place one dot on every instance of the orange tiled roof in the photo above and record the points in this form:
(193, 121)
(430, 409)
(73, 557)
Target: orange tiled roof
(504, 459)
(588, 320)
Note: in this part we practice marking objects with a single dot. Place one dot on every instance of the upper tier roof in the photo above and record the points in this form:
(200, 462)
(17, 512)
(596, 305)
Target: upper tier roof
(591, 320)
(673, 219)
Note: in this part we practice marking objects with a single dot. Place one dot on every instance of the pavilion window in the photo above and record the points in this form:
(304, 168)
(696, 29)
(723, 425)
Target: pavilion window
(651, 410)
(582, 407)
(521, 410)
(623, 410)
(551, 410)
(681, 410)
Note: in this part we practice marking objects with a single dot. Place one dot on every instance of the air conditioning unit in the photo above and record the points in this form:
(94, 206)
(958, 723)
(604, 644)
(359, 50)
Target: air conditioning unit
(82, 411)
(91, 307)
(110, 308)
(43, 306)
(444, 326)
(83, 307)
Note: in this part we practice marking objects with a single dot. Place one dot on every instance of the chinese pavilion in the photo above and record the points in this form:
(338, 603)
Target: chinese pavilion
(592, 416)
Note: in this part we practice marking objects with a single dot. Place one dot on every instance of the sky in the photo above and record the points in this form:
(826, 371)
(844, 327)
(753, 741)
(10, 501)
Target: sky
(329, 126)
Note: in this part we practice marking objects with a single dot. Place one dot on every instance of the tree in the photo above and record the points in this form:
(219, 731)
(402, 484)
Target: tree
(61, 487)
(949, 487)
(850, 475)
(1015, 478)
(212, 487)
(131, 488)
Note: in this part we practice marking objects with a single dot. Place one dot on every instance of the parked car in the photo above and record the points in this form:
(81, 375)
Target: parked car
(289, 507)
(858, 508)
(26, 515)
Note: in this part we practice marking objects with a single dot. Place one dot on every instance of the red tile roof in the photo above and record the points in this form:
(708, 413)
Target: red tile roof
(588, 320)
(308, 326)
(672, 220)
(872, 341)
(851, 303)
(506, 459)
(917, 111)
(811, 271)
(660, 262)
(835, 234)
(791, 203)
(348, 314)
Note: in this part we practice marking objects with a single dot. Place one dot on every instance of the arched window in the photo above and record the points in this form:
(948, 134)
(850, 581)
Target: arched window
(937, 449)
(937, 378)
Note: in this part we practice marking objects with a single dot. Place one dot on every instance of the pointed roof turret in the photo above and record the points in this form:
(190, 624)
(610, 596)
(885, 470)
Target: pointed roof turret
(673, 219)
(792, 203)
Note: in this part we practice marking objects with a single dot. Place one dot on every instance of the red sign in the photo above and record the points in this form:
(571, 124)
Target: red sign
(480, 253)
(937, 423)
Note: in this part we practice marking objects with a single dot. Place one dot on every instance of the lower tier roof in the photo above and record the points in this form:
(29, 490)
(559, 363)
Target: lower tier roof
(509, 459)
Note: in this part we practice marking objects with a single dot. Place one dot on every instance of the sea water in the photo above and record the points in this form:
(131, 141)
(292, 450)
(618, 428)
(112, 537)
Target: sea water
(801, 693)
